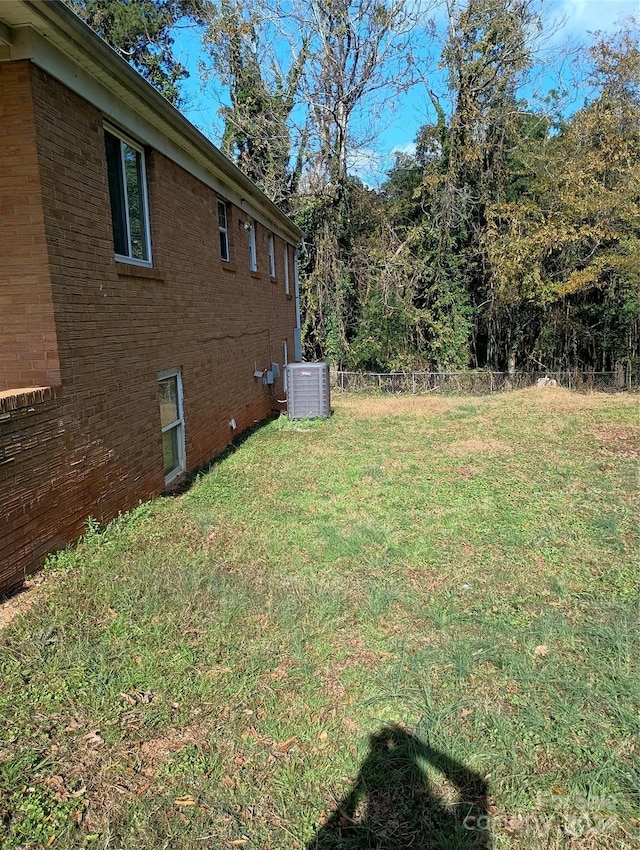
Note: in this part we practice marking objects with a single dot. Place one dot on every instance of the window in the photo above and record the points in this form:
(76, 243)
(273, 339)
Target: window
(272, 256)
(286, 269)
(253, 260)
(172, 423)
(285, 361)
(223, 227)
(128, 195)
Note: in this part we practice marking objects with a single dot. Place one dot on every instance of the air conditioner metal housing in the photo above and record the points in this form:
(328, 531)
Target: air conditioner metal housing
(308, 394)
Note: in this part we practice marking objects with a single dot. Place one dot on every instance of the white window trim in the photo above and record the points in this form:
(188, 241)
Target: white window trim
(285, 363)
(286, 269)
(253, 257)
(179, 422)
(272, 255)
(224, 229)
(123, 258)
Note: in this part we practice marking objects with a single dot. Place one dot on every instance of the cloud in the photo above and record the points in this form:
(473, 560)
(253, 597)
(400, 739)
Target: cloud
(583, 16)
(409, 149)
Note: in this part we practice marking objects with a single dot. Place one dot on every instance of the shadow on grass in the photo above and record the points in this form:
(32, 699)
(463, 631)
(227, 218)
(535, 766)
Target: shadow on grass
(392, 803)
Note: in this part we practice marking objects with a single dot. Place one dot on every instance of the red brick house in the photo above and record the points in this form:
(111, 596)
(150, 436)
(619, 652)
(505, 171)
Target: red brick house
(146, 287)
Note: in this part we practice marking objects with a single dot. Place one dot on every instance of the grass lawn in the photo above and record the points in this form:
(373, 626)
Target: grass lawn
(410, 626)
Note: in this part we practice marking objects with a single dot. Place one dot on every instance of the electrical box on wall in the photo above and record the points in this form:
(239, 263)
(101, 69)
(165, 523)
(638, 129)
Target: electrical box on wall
(308, 394)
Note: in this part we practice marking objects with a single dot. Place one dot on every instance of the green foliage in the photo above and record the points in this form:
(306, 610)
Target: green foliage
(383, 336)
(568, 244)
(140, 31)
(35, 808)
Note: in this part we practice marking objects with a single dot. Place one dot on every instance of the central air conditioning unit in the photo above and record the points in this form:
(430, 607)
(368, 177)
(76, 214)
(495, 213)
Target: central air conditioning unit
(308, 391)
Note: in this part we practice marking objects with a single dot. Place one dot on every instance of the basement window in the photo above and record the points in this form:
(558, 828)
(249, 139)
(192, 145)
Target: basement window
(172, 424)
(129, 203)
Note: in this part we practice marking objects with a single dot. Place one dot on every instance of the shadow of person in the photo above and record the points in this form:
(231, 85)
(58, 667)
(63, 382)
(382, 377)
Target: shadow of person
(392, 804)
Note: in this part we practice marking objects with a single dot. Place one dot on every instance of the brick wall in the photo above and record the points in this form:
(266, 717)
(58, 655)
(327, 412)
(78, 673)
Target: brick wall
(117, 326)
(28, 348)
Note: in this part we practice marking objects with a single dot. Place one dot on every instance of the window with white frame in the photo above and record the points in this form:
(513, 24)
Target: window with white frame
(172, 424)
(223, 227)
(128, 195)
(285, 361)
(253, 258)
(286, 269)
(272, 256)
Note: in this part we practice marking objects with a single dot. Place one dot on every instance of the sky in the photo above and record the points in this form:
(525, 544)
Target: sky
(403, 118)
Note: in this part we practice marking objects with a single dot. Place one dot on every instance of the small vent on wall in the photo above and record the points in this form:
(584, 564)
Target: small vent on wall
(308, 391)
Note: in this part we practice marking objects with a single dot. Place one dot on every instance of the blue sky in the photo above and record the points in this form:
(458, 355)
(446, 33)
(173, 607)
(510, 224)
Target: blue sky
(403, 118)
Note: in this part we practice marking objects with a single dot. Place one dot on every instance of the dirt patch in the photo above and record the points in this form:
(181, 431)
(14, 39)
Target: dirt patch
(159, 750)
(477, 447)
(21, 600)
(621, 440)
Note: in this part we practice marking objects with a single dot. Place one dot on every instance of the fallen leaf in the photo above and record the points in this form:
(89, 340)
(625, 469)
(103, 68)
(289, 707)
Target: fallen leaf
(512, 825)
(187, 800)
(144, 697)
(322, 736)
(75, 795)
(131, 700)
(284, 746)
(541, 651)
(94, 738)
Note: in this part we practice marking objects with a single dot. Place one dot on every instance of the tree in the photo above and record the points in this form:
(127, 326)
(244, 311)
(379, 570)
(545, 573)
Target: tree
(360, 54)
(140, 31)
(568, 249)
(257, 136)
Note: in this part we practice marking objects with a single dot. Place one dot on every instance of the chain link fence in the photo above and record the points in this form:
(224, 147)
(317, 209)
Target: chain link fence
(477, 382)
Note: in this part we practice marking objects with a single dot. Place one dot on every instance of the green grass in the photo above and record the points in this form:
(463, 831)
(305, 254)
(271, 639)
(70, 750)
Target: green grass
(348, 633)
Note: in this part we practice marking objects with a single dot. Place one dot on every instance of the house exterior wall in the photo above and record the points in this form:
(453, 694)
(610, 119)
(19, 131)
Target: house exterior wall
(92, 445)
(28, 348)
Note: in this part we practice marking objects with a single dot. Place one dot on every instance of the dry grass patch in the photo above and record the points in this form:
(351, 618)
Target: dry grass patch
(476, 446)
(393, 405)
(558, 400)
(622, 440)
